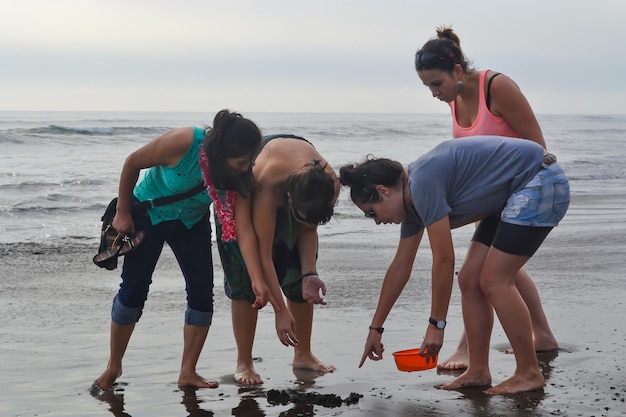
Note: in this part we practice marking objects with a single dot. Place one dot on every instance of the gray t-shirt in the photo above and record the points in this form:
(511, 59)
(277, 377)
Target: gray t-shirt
(468, 179)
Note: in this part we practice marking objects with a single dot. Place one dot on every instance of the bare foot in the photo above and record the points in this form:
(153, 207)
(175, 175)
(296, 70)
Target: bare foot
(458, 361)
(108, 378)
(544, 345)
(245, 375)
(467, 380)
(517, 384)
(308, 361)
(195, 380)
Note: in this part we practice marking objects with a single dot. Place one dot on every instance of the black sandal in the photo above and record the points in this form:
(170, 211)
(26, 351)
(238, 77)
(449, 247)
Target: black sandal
(120, 245)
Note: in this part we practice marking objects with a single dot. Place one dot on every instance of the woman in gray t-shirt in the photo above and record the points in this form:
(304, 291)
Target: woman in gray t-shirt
(519, 192)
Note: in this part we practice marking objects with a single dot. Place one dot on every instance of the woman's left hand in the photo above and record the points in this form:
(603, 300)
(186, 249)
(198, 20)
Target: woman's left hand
(432, 343)
(286, 328)
(312, 286)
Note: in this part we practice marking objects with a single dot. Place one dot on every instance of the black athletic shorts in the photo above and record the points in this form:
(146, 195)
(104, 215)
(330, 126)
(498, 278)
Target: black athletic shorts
(510, 238)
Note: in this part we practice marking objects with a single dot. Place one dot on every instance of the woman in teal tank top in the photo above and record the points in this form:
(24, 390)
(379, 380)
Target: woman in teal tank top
(221, 158)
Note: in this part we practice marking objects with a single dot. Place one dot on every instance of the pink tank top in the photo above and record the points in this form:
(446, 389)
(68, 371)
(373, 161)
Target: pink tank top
(486, 123)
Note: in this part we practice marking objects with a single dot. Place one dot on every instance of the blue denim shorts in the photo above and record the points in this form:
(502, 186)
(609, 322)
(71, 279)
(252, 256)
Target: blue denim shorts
(542, 202)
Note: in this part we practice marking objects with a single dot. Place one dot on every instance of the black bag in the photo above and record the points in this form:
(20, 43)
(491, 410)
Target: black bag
(113, 244)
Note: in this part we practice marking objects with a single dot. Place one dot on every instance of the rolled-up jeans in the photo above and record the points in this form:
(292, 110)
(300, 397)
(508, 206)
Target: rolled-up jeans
(192, 248)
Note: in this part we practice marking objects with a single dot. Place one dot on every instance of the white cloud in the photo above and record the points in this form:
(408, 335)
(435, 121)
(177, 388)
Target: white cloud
(271, 55)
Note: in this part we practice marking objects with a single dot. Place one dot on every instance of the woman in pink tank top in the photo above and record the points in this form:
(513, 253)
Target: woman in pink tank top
(482, 103)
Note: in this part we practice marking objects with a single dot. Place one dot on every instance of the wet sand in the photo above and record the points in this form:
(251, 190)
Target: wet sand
(55, 307)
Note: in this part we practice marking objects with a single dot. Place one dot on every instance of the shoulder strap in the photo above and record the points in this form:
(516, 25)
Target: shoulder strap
(285, 135)
(162, 201)
(488, 99)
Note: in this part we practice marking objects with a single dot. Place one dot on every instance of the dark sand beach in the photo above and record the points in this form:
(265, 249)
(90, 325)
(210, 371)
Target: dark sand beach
(55, 307)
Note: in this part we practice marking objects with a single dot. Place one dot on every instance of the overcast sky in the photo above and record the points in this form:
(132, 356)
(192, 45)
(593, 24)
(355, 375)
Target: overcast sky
(568, 56)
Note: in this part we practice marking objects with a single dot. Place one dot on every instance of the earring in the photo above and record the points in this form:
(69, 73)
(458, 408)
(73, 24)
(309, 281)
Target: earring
(458, 87)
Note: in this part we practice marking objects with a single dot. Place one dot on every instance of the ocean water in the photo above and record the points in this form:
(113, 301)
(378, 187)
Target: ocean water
(58, 170)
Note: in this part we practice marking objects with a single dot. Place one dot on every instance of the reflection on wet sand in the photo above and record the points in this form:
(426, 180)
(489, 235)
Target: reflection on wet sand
(192, 403)
(114, 397)
(301, 399)
(298, 397)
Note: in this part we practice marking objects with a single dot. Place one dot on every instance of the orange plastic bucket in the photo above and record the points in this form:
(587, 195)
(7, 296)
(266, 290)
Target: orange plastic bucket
(410, 360)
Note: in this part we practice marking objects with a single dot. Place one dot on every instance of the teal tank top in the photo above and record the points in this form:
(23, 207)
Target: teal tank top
(162, 180)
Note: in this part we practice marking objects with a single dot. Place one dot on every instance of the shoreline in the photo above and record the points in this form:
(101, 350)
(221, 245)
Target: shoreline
(55, 306)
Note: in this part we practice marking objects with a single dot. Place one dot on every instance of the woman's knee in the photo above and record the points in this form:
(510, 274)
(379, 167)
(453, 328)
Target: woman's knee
(124, 315)
(491, 284)
(198, 318)
(468, 279)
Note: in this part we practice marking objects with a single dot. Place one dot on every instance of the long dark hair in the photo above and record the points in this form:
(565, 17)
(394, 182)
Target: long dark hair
(312, 191)
(364, 177)
(232, 136)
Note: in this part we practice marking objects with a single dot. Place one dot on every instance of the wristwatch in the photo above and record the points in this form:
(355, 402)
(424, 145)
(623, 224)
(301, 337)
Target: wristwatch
(440, 324)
